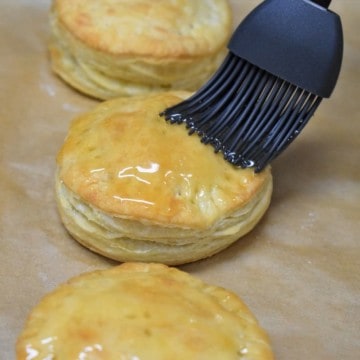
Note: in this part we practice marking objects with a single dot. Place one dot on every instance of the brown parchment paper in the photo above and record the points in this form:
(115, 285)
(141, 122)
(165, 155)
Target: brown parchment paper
(298, 271)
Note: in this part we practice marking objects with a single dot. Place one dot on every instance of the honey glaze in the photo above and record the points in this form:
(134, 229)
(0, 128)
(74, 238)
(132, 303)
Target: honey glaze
(89, 352)
(125, 159)
(137, 316)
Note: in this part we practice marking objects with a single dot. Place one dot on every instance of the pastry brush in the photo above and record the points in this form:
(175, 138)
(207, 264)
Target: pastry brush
(283, 59)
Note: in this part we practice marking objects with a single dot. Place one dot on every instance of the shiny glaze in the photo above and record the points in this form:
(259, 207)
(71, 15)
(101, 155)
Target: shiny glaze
(125, 159)
(141, 312)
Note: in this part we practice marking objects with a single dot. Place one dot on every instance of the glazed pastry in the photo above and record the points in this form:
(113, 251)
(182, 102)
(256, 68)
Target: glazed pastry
(141, 311)
(113, 48)
(132, 187)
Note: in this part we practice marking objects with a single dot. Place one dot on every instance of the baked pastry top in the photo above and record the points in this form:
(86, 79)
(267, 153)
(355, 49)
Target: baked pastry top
(161, 28)
(141, 311)
(124, 159)
(113, 48)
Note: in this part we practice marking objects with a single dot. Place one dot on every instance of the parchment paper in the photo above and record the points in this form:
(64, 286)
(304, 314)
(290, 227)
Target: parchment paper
(298, 271)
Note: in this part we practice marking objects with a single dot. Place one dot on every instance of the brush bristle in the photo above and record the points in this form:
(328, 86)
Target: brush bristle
(248, 114)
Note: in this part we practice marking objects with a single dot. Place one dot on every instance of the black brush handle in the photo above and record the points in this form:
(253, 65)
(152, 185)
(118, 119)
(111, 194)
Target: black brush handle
(323, 3)
(297, 40)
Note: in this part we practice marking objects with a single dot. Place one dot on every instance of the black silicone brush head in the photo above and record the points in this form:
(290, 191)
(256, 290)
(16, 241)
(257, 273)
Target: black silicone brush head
(284, 58)
(246, 113)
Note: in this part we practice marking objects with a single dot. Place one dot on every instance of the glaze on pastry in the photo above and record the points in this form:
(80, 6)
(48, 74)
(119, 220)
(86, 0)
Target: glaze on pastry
(133, 187)
(143, 312)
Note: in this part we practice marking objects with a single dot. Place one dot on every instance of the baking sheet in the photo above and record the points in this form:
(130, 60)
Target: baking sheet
(298, 271)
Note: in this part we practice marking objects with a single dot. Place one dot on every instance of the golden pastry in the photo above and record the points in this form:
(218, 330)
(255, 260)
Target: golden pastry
(144, 312)
(113, 48)
(133, 187)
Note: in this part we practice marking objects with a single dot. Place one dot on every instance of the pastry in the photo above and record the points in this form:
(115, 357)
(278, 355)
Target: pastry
(141, 311)
(113, 48)
(133, 187)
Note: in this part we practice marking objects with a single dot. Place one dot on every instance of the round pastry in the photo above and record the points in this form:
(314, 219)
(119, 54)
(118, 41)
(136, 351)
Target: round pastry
(133, 187)
(113, 48)
(141, 311)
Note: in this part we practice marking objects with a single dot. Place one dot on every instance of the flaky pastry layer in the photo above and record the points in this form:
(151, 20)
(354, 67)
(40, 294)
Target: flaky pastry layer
(142, 311)
(111, 48)
(133, 187)
(124, 239)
